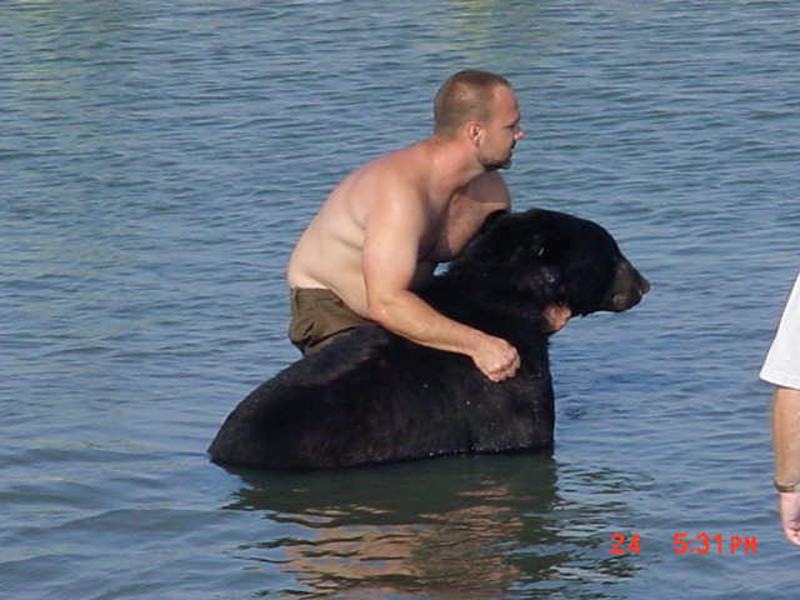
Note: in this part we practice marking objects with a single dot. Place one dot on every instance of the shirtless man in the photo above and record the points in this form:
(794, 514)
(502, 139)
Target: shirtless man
(385, 227)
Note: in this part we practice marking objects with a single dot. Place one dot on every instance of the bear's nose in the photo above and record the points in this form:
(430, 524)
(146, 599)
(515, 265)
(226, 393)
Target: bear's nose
(644, 286)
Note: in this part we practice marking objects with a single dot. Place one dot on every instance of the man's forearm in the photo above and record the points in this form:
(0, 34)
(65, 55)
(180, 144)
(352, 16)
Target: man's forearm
(407, 315)
(786, 436)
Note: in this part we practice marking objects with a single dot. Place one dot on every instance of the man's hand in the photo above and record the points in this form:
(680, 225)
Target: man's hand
(496, 358)
(790, 516)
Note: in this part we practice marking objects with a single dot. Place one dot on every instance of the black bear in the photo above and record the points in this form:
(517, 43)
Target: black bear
(373, 397)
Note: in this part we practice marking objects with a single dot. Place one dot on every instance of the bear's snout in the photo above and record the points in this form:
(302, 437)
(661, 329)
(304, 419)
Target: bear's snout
(627, 289)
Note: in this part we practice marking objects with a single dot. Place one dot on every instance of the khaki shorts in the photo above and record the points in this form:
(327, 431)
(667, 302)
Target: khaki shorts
(317, 316)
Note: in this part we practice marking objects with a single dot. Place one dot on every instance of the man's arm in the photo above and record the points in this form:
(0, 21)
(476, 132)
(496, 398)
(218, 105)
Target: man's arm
(394, 228)
(786, 441)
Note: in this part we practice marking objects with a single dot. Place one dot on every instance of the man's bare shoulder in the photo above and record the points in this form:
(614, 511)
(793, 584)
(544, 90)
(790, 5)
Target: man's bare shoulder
(401, 173)
(405, 164)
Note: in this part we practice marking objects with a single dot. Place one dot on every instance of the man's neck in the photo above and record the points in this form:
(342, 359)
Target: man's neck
(453, 166)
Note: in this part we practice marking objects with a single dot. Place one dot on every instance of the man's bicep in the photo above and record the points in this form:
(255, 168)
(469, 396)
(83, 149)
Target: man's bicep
(391, 246)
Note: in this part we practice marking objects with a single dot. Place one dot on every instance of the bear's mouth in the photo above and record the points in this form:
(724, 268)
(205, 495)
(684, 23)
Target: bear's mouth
(620, 302)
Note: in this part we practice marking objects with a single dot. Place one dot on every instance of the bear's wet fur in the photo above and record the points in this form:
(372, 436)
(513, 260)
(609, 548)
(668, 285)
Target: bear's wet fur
(373, 397)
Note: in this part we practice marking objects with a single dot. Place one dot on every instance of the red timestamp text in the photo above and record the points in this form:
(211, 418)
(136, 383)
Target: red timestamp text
(685, 543)
(718, 544)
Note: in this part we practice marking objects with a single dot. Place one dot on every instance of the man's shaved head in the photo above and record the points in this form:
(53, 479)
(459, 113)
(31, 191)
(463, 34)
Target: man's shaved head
(464, 97)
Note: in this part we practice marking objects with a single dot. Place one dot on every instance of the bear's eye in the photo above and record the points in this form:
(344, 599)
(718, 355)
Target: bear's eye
(539, 252)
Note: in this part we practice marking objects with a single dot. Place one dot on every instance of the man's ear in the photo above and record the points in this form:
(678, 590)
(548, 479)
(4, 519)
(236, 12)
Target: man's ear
(474, 132)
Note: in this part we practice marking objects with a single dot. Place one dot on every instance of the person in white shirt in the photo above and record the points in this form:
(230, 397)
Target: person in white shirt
(782, 369)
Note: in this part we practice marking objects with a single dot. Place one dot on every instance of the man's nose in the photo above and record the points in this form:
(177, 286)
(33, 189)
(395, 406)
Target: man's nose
(520, 134)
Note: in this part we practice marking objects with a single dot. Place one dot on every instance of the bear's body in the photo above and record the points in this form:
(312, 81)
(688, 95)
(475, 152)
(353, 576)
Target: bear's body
(373, 397)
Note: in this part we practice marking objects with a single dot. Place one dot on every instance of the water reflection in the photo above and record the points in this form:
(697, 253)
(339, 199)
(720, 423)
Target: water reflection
(463, 527)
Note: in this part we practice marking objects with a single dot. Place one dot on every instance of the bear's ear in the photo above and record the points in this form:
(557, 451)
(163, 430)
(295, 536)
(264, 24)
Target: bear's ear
(491, 220)
(509, 240)
(497, 241)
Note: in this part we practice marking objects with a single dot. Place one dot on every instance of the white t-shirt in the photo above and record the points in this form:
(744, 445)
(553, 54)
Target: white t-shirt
(782, 366)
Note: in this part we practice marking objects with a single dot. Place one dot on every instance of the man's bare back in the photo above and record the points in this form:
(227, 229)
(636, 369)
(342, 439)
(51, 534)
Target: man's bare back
(383, 229)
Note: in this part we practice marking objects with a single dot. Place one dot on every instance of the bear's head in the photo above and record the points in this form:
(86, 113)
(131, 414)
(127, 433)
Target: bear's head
(542, 257)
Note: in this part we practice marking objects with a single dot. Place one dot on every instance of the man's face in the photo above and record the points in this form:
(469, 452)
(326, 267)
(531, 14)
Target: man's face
(501, 130)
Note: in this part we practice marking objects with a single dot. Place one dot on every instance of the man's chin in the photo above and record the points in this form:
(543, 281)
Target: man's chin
(495, 166)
